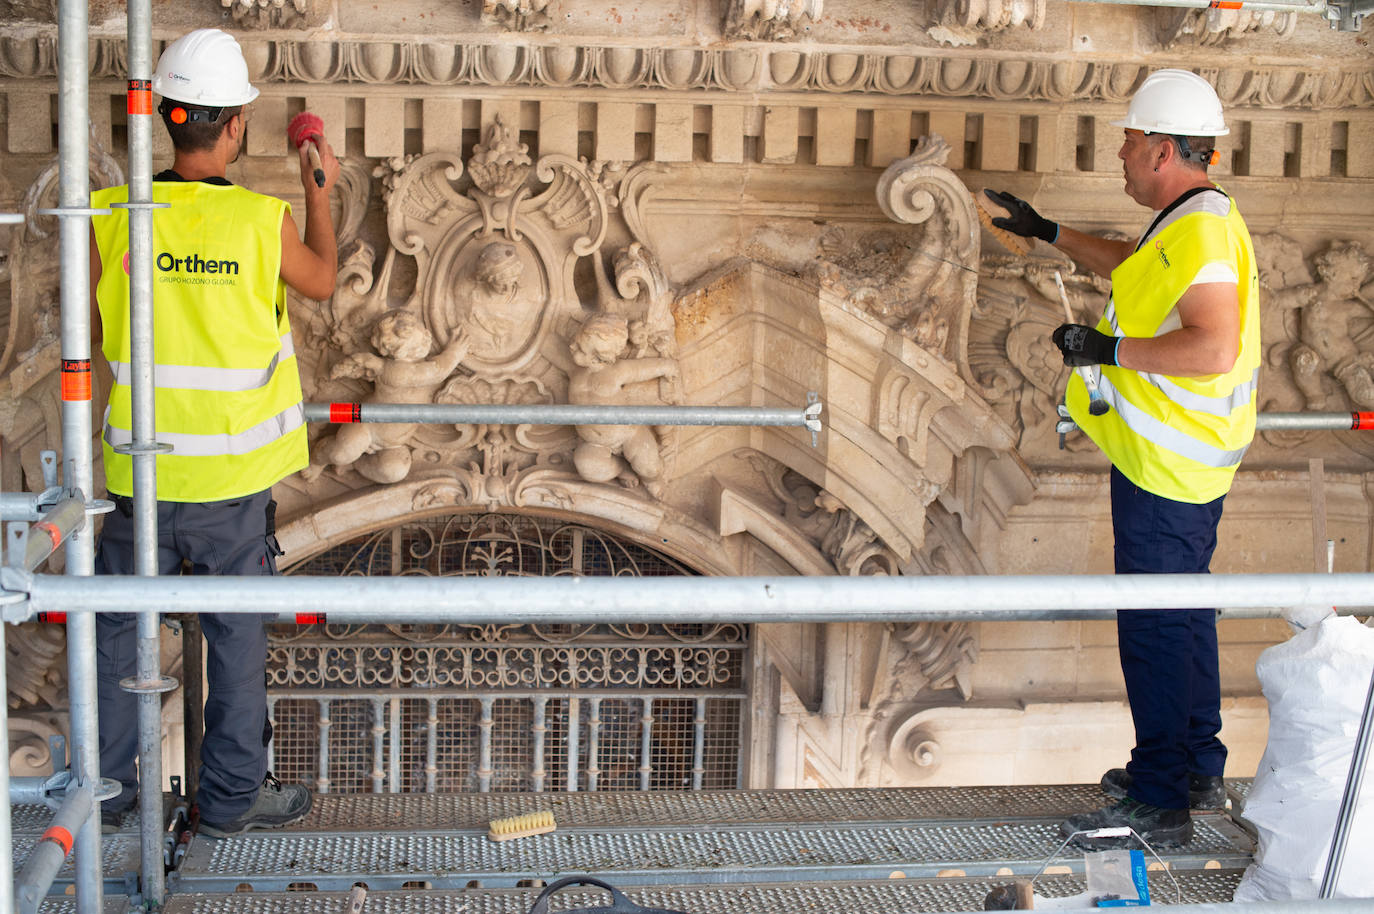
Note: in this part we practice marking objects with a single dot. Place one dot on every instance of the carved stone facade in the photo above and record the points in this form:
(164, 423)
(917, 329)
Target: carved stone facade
(736, 202)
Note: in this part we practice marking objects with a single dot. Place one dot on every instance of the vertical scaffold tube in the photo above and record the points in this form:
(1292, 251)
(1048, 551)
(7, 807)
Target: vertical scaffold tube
(6, 842)
(1359, 761)
(75, 240)
(140, 111)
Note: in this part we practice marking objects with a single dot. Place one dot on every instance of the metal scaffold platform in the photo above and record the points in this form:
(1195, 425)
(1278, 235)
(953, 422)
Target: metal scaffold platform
(888, 850)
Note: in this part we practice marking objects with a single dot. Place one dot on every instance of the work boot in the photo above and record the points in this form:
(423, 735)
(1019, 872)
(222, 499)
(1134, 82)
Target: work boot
(1204, 791)
(111, 819)
(275, 805)
(1157, 826)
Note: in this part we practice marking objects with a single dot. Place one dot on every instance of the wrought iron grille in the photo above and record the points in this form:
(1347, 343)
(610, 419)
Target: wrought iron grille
(409, 708)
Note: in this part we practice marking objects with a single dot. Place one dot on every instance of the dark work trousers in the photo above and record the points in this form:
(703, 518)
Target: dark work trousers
(228, 537)
(1169, 657)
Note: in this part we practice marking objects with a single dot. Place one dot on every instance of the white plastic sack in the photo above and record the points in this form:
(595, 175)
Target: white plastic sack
(1316, 684)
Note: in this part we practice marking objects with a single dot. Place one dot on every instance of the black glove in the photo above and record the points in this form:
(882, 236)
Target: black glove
(1082, 345)
(1024, 220)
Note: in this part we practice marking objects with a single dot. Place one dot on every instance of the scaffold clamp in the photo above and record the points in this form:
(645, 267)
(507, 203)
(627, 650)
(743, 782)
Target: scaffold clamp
(812, 415)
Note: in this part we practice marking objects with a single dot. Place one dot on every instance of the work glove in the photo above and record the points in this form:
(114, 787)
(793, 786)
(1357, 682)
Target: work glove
(1082, 345)
(1024, 220)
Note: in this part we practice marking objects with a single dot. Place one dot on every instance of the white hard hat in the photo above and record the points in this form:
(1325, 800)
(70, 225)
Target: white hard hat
(1176, 102)
(204, 68)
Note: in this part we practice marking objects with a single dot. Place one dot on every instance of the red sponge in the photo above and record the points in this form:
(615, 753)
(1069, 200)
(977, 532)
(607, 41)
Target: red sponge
(305, 126)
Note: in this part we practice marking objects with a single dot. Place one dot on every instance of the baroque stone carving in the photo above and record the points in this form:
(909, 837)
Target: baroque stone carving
(516, 15)
(920, 661)
(494, 317)
(1010, 352)
(30, 419)
(851, 545)
(769, 20)
(34, 677)
(628, 453)
(931, 297)
(1318, 332)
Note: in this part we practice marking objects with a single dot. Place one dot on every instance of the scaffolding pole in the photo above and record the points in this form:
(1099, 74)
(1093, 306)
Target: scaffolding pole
(1359, 761)
(148, 683)
(52, 848)
(483, 600)
(74, 213)
(6, 836)
(1356, 420)
(563, 414)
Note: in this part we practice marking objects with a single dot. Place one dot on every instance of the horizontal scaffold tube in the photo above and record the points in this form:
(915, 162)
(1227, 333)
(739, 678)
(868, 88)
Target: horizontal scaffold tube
(1291, 906)
(1301, 422)
(695, 599)
(1259, 6)
(563, 414)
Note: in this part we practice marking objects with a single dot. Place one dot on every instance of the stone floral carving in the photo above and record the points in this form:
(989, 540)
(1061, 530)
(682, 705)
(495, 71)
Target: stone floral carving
(993, 15)
(769, 20)
(516, 15)
(267, 14)
(1176, 27)
(402, 371)
(628, 453)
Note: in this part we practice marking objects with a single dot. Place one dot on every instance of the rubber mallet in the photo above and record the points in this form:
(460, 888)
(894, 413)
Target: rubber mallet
(308, 128)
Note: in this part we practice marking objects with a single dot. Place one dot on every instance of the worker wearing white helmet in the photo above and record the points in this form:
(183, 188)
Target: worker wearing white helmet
(1176, 357)
(228, 400)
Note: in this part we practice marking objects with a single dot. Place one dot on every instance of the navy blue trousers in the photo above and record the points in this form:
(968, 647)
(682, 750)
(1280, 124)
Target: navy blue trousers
(228, 537)
(1168, 657)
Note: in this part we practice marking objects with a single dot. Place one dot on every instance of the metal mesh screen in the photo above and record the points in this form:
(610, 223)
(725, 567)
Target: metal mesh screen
(413, 708)
(295, 745)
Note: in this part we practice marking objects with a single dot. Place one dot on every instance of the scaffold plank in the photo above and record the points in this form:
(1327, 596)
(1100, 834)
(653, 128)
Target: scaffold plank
(886, 896)
(391, 841)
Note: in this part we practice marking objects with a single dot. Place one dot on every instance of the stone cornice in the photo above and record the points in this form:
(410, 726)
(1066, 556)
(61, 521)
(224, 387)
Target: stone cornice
(749, 69)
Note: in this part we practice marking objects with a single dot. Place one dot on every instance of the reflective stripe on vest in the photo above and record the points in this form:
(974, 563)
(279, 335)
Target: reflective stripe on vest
(245, 442)
(1156, 432)
(1223, 406)
(192, 377)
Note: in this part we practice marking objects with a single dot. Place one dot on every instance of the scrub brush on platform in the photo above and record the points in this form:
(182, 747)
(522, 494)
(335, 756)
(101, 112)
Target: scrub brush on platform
(533, 823)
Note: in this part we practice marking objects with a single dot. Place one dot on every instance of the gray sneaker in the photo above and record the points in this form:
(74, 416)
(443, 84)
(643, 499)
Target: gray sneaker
(275, 805)
(1204, 791)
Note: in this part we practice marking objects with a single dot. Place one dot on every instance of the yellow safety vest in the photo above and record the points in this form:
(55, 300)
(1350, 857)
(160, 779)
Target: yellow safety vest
(228, 395)
(1179, 438)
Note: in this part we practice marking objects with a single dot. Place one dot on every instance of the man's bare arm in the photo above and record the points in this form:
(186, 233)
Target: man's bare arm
(1100, 255)
(311, 266)
(1207, 343)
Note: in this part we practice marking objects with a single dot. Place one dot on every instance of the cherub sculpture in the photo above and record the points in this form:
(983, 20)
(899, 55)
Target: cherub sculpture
(629, 453)
(1333, 312)
(402, 372)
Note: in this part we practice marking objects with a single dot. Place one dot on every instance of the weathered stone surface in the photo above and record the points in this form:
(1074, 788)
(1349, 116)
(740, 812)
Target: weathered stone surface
(675, 203)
